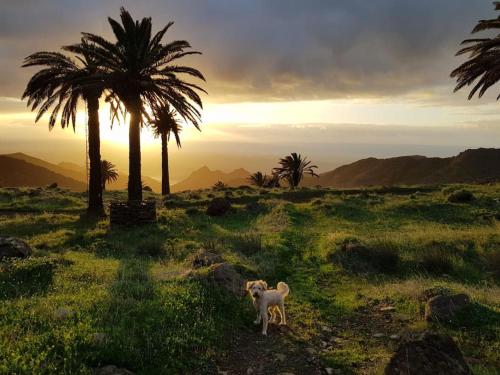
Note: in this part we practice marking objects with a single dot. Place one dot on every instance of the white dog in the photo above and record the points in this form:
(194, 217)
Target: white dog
(268, 301)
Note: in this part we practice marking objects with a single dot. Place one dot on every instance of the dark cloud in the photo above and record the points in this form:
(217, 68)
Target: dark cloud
(270, 49)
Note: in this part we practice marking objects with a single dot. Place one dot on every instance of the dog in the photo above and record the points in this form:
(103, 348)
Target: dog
(267, 301)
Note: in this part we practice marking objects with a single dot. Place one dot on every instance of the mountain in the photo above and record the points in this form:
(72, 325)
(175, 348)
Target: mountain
(66, 169)
(476, 165)
(205, 178)
(19, 172)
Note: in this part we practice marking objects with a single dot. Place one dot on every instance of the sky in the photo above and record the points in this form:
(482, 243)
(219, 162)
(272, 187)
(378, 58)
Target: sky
(334, 80)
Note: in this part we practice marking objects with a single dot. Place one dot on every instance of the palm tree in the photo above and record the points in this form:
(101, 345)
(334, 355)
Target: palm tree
(142, 72)
(293, 167)
(483, 64)
(219, 185)
(258, 179)
(273, 181)
(108, 173)
(60, 85)
(164, 125)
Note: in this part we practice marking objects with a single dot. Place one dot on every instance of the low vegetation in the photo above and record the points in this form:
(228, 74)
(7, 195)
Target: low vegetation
(92, 295)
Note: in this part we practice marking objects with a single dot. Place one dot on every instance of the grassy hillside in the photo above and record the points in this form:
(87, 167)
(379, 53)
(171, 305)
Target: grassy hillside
(132, 305)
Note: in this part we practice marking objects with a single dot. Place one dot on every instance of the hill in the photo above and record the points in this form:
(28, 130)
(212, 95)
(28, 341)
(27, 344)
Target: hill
(470, 166)
(71, 170)
(205, 178)
(19, 172)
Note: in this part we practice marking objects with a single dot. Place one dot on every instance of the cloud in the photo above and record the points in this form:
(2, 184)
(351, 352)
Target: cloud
(263, 50)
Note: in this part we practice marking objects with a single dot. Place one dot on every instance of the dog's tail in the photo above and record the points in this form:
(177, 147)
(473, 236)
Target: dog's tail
(283, 288)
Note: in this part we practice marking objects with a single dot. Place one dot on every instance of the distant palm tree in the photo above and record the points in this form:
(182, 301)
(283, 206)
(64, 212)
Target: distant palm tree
(60, 85)
(293, 167)
(219, 185)
(258, 179)
(142, 72)
(272, 181)
(164, 125)
(483, 64)
(108, 173)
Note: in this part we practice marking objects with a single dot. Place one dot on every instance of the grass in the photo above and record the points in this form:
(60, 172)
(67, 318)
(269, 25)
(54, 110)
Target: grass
(128, 287)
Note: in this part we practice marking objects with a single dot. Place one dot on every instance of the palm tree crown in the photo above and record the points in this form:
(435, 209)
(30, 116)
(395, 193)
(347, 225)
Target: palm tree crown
(482, 69)
(108, 173)
(258, 179)
(165, 122)
(292, 169)
(142, 72)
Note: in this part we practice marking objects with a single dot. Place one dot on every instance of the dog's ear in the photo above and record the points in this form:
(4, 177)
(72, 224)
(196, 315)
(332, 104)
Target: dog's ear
(250, 284)
(264, 284)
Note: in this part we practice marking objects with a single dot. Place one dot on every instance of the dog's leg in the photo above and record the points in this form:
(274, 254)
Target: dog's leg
(282, 313)
(259, 317)
(272, 312)
(265, 318)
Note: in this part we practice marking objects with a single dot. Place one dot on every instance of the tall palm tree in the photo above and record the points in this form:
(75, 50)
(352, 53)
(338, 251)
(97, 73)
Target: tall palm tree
(142, 72)
(258, 179)
(293, 167)
(482, 69)
(164, 125)
(59, 86)
(108, 173)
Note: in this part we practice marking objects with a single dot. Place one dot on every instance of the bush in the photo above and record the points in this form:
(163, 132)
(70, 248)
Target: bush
(218, 207)
(356, 257)
(247, 243)
(461, 196)
(192, 211)
(436, 261)
(152, 247)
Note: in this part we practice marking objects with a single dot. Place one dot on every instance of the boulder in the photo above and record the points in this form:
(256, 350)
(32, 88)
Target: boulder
(11, 247)
(429, 354)
(443, 308)
(204, 258)
(218, 207)
(112, 370)
(225, 276)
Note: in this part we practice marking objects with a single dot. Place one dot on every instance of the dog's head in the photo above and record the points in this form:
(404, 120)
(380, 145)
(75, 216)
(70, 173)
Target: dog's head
(256, 288)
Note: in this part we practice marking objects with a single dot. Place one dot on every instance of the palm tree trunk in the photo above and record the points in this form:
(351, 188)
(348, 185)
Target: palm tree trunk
(134, 153)
(165, 177)
(95, 205)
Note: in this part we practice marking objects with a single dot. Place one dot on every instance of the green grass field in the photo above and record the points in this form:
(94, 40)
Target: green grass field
(132, 305)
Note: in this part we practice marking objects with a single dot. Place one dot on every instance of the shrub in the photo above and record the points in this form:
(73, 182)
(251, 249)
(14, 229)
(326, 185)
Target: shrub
(192, 211)
(152, 247)
(461, 196)
(492, 259)
(436, 261)
(247, 243)
(218, 207)
(355, 257)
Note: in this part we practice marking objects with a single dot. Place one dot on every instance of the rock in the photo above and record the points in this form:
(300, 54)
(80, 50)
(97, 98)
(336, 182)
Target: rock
(99, 338)
(378, 335)
(112, 370)
(433, 292)
(224, 275)
(394, 337)
(204, 258)
(62, 313)
(429, 354)
(387, 308)
(219, 207)
(281, 357)
(329, 371)
(440, 308)
(11, 247)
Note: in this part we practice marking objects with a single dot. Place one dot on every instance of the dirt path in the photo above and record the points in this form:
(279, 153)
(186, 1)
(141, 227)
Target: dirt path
(278, 353)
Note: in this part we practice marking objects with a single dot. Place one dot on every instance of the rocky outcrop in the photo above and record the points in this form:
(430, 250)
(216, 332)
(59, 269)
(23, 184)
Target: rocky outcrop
(429, 354)
(443, 308)
(11, 247)
(205, 258)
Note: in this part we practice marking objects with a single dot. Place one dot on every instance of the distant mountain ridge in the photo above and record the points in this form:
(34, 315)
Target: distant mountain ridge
(35, 173)
(474, 165)
(205, 178)
(18, 172)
